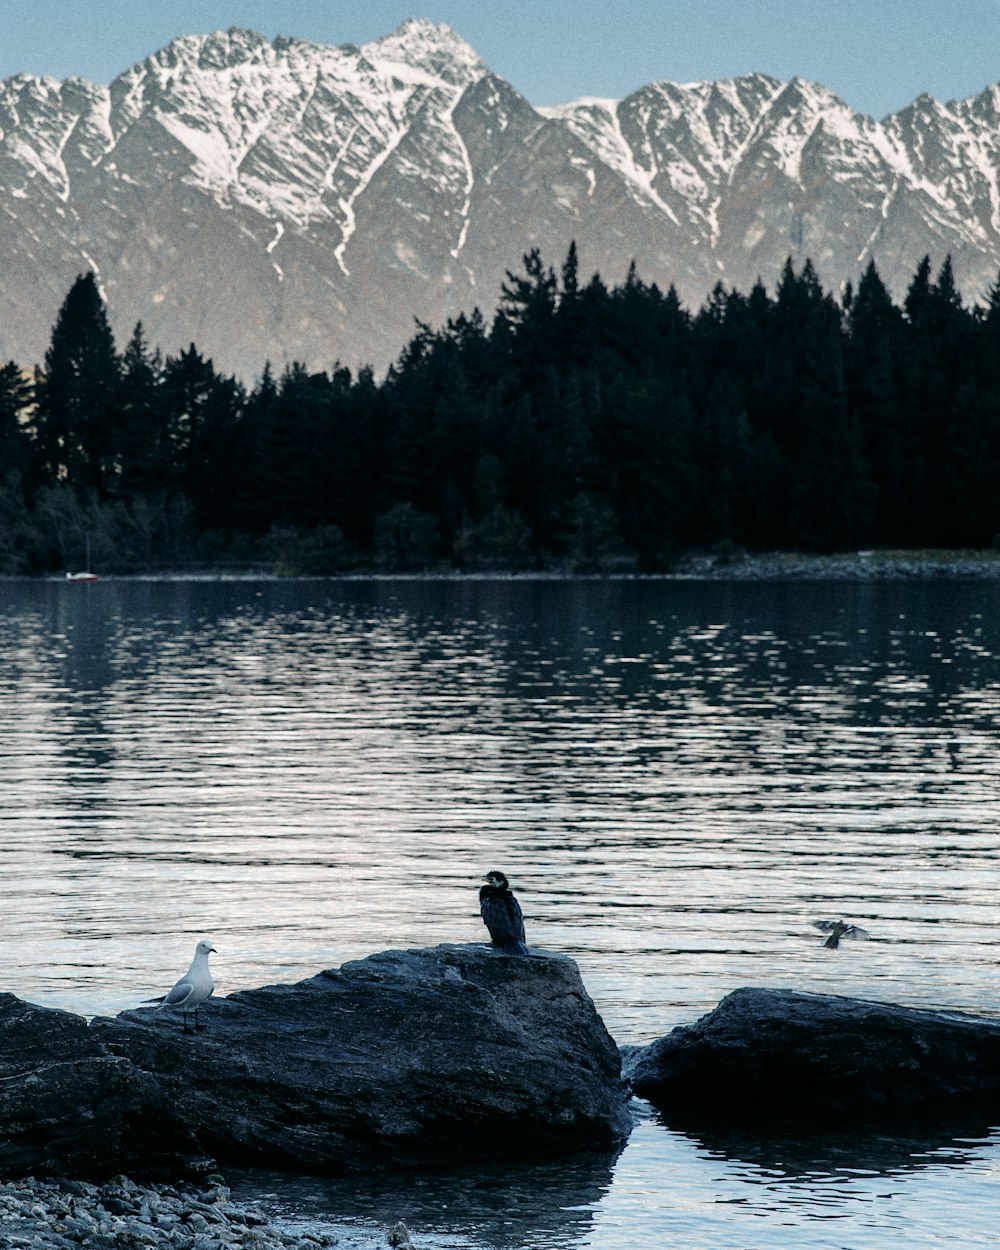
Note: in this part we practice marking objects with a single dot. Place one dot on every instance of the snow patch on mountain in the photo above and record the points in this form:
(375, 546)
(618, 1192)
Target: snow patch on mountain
(595, 121)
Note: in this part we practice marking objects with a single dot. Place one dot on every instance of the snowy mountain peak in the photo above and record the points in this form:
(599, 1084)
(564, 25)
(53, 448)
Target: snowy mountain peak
(291, 129)
(223, 49)
(429, 46)
(218, 50)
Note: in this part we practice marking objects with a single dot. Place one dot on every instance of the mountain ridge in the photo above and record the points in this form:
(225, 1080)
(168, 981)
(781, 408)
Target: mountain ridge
(287, 200)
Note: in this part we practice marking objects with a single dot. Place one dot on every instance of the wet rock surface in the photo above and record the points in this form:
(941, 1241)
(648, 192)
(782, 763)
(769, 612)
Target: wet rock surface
(819, 1057)
(407, 1057)
(66, 1102)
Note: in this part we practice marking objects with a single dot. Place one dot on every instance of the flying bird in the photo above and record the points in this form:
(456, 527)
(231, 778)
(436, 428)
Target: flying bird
(502, 914)
(194, 986)
(838, 929)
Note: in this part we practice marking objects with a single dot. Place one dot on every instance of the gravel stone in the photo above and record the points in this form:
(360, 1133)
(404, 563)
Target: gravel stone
(123, 1215)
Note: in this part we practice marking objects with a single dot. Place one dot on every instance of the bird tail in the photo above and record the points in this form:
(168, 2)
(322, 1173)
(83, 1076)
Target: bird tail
(514, 947)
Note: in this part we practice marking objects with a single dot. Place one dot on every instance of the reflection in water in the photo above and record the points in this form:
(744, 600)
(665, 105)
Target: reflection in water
(787, 1153)
(542, 1202)
(727, 1191)
(800, 1194)
(679, 779)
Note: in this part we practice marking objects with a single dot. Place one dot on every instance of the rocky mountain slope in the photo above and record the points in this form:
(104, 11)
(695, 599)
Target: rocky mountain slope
(290, 201)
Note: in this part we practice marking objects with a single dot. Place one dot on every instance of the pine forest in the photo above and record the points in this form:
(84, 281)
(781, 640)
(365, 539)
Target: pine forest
(583, 427)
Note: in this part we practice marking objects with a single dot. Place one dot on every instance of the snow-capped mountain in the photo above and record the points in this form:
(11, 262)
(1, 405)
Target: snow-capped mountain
(285, 200)
(759, 169)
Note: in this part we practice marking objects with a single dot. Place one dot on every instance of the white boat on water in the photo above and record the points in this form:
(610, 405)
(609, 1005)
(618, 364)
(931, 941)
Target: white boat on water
(85, 576)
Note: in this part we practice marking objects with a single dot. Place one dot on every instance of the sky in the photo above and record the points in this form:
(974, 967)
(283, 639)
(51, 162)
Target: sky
(878, 55)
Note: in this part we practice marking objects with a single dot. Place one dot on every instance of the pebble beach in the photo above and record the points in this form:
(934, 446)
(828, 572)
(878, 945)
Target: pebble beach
(123, 1215)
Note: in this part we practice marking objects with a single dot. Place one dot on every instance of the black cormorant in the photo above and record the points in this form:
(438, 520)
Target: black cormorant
(501, 914)
(838, 929)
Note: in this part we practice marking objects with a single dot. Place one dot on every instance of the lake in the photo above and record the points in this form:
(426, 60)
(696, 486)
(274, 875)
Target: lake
(678, 777)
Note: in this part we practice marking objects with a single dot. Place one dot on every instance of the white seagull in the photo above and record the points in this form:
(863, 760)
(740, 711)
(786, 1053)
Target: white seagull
(194, 986)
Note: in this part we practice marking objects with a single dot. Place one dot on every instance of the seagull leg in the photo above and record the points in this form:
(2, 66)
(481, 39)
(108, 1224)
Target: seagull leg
(187, 1027)
(197, 1023)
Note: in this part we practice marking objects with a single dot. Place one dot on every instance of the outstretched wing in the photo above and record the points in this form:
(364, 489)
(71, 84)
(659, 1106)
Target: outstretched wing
(841, 929)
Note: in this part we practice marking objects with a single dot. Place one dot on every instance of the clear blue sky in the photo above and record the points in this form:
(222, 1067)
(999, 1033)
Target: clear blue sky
(877, 54)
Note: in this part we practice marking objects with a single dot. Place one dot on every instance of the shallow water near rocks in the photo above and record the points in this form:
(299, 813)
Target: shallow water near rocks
(678, 777)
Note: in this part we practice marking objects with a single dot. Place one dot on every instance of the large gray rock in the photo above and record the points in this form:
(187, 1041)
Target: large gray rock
(407, 1057)
(66, 1104)
(820, 1056)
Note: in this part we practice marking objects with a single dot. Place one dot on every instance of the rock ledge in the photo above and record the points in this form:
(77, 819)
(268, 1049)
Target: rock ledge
(406, 1057)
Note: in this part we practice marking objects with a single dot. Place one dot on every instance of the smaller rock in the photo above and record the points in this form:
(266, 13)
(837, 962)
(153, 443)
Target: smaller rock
(790, 1054)
(399, 1236)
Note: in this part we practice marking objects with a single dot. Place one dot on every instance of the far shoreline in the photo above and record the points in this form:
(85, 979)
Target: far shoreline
(782, 566)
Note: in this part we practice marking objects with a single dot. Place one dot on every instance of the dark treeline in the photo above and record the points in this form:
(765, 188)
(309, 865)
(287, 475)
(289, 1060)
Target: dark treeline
(585, 427)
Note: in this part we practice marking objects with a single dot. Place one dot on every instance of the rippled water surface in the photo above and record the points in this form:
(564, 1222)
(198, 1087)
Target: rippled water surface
(679, 778)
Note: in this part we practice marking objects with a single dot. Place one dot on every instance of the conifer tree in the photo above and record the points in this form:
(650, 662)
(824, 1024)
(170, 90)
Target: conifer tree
(939, 348)
(527, 309)
(77, 435)
(146, 467)
(829, 492)
(15, 397)
(918, 295)
(570, 286)
(202, 412)
(874, 364)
